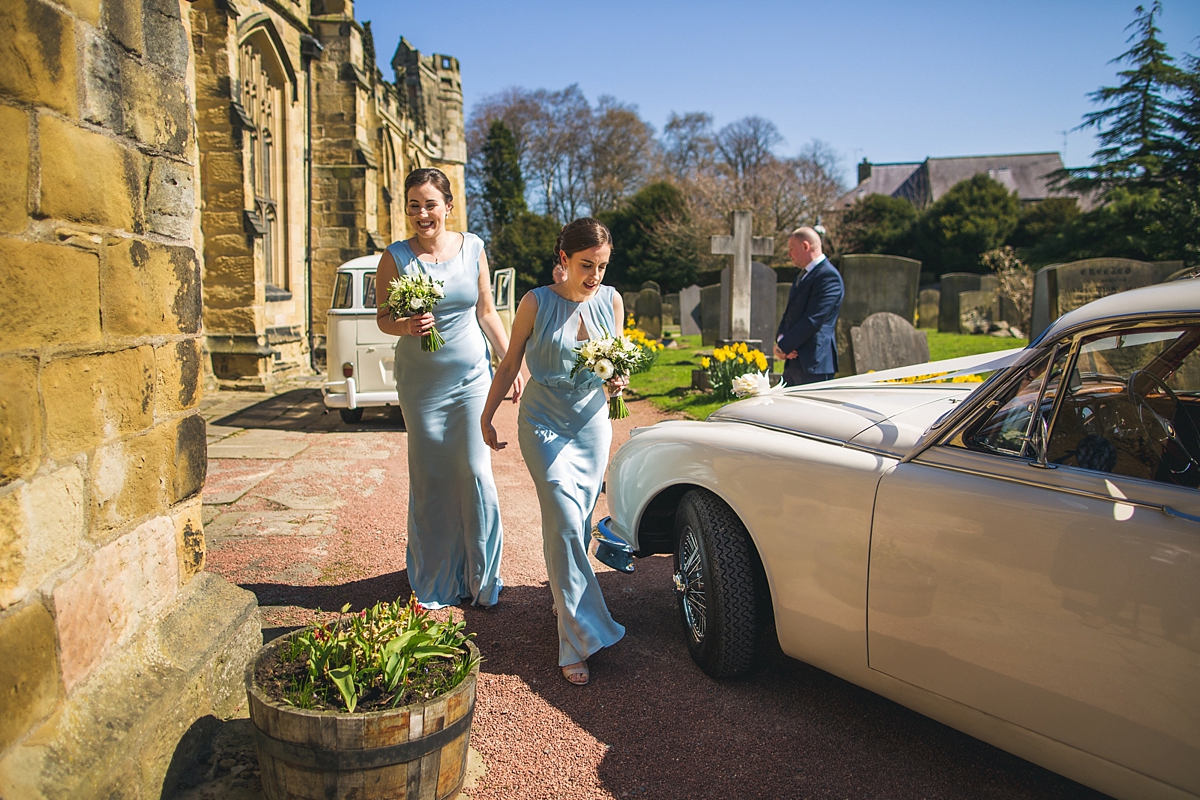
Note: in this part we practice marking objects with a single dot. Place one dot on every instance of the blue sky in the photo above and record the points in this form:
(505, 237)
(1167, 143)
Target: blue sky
(888, 81)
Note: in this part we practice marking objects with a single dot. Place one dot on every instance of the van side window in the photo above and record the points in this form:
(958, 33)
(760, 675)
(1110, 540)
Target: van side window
(342, 289)
(369, 290)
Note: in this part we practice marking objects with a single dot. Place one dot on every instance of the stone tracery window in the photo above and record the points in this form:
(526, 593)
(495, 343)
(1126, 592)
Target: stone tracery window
(264, 97)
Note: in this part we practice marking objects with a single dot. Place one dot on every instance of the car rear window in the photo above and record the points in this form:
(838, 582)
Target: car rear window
(342, 289)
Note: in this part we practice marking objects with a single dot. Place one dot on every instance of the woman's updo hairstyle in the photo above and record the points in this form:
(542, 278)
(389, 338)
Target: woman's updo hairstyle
(582, 234)
(420, 177)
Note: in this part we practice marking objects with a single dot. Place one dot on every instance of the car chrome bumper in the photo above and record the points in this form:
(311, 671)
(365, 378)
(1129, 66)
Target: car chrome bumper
(351, 398)
(610, 549)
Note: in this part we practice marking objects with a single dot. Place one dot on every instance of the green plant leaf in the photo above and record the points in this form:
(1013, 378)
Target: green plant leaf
(343, 679)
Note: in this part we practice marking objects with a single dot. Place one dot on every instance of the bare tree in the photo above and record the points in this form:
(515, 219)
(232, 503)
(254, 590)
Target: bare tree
(746, 146)
(621, 150)
(688, 144)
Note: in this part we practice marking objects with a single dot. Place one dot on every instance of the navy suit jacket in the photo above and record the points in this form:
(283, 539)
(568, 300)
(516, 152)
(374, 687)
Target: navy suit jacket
(808, 322)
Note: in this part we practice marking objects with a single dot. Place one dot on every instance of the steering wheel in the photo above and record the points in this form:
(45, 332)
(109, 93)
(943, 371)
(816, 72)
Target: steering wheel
(1167, 440)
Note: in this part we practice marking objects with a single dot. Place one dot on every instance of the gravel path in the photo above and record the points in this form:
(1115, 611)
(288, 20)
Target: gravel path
(319, 521)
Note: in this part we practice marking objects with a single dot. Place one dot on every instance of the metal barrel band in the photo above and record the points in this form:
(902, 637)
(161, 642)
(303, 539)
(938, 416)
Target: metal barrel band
(341, 760)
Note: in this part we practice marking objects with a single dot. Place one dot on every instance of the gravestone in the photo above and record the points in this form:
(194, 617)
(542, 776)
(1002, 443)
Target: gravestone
(629, 299)
(710, 314)
(1060, 288)
(648, 313)
(782, 292)
(737, 298)
(874, 284)
(978, 310)
(927, 308)
(671, 308)
(650, 285)
(953, 284)
(689, 310)
(886, 341)
(762, 306)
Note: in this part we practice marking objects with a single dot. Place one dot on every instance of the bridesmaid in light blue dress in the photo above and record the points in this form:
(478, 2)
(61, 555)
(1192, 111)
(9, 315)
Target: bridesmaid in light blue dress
(454, 531)
(564, 431)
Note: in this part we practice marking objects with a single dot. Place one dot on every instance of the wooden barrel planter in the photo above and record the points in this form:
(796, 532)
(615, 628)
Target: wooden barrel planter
(417, 752)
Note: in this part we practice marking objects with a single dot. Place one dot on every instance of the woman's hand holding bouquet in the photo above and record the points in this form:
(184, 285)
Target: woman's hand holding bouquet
(613, 359)
(416, 295)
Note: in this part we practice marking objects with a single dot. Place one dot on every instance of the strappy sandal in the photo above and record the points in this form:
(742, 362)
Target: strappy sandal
(554, 609)
(574, 671)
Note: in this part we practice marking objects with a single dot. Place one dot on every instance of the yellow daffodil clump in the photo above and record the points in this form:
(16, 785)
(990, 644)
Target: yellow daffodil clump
(930, 378)
(650, 347)
(730, 362)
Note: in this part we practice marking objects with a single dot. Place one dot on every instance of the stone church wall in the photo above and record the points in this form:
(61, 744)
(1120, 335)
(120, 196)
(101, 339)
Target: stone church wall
(350, 138)
(116, 643)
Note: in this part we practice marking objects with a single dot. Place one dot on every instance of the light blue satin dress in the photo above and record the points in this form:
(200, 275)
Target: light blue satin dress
(564, 433)
(454, 531)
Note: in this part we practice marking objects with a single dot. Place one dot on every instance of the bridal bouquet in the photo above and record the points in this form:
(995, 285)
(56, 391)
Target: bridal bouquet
(610, 357)
(416, 294)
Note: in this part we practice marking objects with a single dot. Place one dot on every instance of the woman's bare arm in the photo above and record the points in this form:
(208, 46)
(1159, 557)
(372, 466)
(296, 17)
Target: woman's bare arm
(509, 368)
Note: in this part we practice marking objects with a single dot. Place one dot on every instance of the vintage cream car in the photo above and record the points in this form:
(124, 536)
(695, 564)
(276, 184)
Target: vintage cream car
(1018, 559)
(360, 358)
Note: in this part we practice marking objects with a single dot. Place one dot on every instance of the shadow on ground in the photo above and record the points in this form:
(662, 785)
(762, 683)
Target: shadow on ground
(670, 731)
(304, 410)
(787, 729)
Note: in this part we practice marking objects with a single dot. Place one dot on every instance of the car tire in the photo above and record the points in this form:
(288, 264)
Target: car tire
(351, 416)
(715, 581)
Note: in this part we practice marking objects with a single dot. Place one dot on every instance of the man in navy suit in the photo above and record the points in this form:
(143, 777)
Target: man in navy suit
(805, 338)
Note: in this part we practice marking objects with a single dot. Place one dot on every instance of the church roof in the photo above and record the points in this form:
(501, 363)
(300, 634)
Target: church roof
(922, 183)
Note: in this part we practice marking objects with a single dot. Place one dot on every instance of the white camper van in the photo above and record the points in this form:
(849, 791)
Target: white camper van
(360, 358)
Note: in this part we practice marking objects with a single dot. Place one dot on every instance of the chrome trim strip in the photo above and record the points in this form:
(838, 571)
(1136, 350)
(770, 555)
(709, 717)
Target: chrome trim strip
(1170, 512)
(815, 437)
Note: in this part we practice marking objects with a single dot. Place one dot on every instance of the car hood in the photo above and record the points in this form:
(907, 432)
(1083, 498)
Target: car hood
(889, 418)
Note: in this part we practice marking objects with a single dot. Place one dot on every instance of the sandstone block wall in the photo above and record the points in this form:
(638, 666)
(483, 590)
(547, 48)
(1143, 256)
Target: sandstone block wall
(102, 451)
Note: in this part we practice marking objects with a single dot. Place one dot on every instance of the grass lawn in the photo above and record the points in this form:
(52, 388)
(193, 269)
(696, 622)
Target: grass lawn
(668, 384)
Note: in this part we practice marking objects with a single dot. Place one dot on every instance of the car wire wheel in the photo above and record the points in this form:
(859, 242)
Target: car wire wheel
(689, 583)
(715, 565)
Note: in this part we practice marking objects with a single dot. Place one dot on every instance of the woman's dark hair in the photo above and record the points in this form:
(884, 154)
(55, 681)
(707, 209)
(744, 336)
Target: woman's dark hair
(582, 234)
(420, 177)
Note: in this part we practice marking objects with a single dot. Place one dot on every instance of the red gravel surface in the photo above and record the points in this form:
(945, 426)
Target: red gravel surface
(327, 527)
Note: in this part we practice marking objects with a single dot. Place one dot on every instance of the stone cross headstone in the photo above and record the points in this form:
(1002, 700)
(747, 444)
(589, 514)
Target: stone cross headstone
(648, 313)
(741, 245)
(710, 314)
(689, 310)
(928, 301)
(763, 304)
(874, 284)
(671, 308)
(953, 284)
(1060, 288)
(886, 341)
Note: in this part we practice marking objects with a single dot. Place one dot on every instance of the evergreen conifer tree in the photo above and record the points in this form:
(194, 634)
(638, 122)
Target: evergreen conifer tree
(503, 184)
(1134, 126)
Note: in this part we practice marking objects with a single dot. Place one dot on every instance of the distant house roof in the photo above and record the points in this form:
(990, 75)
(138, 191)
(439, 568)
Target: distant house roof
(922, 183)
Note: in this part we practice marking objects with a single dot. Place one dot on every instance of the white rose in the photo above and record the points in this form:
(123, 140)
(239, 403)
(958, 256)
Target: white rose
(604, 369)
(745, 385)
(416, 304)
(437, 290)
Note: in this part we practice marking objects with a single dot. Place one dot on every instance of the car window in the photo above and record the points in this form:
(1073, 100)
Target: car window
(342, 289)
(1132, 406)
(1006, 424)
(369, 289)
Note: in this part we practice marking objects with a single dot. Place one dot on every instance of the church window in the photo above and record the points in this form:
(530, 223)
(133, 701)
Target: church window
(264, 97)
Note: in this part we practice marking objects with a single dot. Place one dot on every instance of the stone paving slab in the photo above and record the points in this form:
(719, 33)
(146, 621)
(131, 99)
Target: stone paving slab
(258, 444)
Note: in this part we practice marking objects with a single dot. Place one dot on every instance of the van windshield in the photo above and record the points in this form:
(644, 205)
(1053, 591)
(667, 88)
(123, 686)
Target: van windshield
(342, 291)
